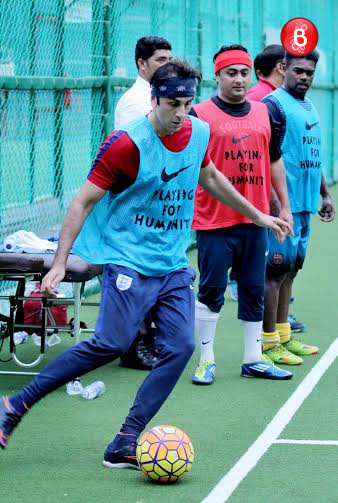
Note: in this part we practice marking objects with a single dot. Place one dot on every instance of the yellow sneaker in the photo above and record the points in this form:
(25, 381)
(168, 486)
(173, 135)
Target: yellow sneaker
(297, 347)
(280, 354)
(266, 358)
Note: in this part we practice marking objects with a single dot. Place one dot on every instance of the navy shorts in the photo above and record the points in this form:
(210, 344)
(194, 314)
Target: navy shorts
(289, 255)
(245, 248)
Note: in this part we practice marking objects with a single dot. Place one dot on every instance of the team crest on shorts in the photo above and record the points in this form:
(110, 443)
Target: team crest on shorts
(123, 282)
(277, 258)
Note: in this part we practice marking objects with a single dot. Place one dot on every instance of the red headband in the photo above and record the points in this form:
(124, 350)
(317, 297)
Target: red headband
(235, 57)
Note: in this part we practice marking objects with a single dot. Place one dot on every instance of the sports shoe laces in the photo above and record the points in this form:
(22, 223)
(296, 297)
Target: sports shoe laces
(279, 348)
(292, 338)
(127, 449)
(202, 367)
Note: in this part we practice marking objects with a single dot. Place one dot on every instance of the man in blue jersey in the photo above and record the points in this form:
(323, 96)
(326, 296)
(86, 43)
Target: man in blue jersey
(269, 69)
(133, 214)
(297, 127)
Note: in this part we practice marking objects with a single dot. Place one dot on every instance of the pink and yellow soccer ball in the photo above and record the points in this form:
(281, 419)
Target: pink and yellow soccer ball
(165, 453)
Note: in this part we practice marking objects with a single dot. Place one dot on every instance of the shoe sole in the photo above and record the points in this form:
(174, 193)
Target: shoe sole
(135, 366)
(270, 378)
(202, 383)
(307, 354)
(106, 464)
(287, 363)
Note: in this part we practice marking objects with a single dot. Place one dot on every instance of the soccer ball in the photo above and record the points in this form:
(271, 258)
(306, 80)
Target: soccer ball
(165, 453)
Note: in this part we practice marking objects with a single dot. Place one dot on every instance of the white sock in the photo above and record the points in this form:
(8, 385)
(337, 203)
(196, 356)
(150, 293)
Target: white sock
(252, 341)
(206, 322)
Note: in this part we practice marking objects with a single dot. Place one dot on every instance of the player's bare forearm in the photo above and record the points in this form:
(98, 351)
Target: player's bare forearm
(324, 188)
(278, 180)
(327, 211)
(218, 186)
(70, 229)
(275, 205)
(80, 208)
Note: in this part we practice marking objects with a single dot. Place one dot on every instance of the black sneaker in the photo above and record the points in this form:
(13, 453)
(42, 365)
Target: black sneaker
(138, 357)
(9, 418)
(123, 456)
(151, 346)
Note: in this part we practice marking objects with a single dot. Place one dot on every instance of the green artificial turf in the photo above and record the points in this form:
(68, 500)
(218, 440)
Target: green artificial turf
(55, 455)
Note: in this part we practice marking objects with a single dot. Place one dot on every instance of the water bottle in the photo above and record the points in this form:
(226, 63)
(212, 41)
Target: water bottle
(94, 390)
(74, 387)
(20, 337)
(36, 339)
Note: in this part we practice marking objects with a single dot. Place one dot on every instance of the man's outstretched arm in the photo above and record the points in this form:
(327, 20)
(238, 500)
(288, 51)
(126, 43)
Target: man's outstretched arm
(327, 211)
(279, 185)
(218, 186)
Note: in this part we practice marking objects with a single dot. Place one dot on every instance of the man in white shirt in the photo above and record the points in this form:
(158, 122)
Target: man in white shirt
(150, 54)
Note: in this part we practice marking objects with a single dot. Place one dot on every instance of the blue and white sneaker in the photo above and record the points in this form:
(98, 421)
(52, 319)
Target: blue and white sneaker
(204, 373)
(265, 370)
(296, 326)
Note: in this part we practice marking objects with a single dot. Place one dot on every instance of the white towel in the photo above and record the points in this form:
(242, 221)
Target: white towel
(28, 242)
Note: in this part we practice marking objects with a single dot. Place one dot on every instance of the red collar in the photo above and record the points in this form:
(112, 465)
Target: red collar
(263, 80)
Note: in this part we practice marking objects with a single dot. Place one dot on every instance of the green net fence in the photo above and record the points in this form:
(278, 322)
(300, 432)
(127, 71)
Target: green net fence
(51, 119)
(65, 63)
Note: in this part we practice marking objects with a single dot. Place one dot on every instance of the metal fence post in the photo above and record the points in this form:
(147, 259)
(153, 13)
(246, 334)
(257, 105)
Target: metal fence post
(107, 66)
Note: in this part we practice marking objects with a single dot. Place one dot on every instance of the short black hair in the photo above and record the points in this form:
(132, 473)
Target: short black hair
(175, 68)
(312, 56)
(232, 47)
(266, 60)
(146, 46)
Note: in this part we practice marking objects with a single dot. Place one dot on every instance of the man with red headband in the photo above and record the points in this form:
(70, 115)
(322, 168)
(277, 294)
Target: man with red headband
(243, 148)
(133, 214)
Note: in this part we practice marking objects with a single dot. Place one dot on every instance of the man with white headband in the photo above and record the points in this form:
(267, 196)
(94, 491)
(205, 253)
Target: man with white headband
(243, 148)
(133, 214)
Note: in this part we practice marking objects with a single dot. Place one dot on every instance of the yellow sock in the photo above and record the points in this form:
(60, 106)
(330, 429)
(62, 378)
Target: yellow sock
(284, 331)
(270, 339)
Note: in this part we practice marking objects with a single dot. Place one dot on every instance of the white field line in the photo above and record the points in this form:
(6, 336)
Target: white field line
(231, 480)
(306, 442)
